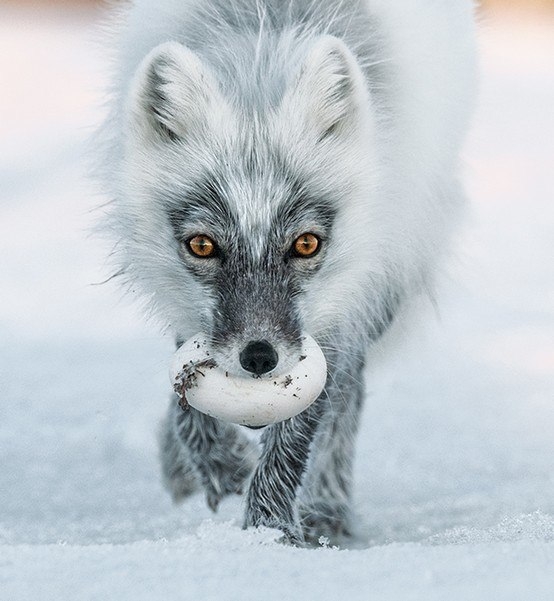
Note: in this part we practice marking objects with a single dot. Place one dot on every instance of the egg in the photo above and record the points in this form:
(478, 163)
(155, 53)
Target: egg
(247, 399)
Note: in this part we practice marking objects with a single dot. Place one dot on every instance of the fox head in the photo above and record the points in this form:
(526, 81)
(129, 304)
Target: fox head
(247, 200)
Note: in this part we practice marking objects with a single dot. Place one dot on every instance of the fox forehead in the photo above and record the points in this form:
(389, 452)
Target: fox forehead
(262, 206)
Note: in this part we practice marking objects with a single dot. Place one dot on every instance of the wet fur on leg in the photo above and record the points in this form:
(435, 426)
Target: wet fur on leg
(326, 494)
(180, 476)
(271, 499)
(302, 485)
(198, 450)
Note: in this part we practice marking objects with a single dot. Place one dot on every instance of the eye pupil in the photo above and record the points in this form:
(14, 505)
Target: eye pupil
(306, 245)
(202, 246)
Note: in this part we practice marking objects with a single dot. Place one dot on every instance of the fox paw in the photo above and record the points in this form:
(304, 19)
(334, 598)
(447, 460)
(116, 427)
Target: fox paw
(181, 484)
(332, 521)
(257, 516)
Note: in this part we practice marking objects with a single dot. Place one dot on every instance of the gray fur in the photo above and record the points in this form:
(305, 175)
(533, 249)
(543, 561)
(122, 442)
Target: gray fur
(326, 495)
(197, 450)
(255, 121)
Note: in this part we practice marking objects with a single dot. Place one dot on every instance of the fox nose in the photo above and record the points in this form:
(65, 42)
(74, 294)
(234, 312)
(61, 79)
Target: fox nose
(258, 357)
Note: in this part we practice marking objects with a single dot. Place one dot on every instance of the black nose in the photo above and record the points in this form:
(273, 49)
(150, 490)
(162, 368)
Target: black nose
(258, 357)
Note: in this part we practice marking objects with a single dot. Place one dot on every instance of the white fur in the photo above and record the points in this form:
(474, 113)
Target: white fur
(353, 111)
(397, 156)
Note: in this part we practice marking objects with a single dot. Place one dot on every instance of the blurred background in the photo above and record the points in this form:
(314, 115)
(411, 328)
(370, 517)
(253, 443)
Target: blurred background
(487, 5)
(463, 430)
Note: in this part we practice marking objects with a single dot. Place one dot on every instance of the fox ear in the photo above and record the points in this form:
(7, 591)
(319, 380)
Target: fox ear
(172, 93)
(330, 88)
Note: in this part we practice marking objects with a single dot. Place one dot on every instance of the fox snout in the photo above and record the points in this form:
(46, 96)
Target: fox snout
(259, 357)
(257, 350)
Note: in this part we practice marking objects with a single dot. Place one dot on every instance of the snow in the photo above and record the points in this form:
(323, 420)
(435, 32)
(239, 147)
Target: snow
(455, 461)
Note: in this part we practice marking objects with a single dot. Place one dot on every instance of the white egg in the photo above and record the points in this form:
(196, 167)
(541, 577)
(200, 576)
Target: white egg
(247, 400)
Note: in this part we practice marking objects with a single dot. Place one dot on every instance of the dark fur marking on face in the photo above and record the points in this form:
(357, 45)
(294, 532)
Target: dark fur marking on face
(204, 201)
(255, 296)
(301, 205)
(256, 301)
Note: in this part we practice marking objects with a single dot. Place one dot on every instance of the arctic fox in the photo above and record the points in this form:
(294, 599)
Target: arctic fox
(278, 167)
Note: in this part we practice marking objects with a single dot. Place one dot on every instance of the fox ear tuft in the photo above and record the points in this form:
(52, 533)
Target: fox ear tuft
(173, 93)
(330, 86)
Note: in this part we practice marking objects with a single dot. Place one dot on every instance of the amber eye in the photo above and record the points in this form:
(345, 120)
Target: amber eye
(202, 246)
(306, 245)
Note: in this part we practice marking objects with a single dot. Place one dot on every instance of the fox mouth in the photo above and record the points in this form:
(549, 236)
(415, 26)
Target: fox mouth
(247, 399)
(258, 358)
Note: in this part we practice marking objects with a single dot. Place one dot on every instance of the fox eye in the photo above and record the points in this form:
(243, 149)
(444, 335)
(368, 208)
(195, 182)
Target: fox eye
(306, 245)
(202, 246)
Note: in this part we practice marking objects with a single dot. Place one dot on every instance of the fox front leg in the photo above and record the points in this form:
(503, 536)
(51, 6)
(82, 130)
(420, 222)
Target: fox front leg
(325, 498)
(271, 499)
(198, 450)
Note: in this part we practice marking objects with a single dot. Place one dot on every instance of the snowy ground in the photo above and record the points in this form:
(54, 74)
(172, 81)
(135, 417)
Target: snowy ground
(455, 468)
